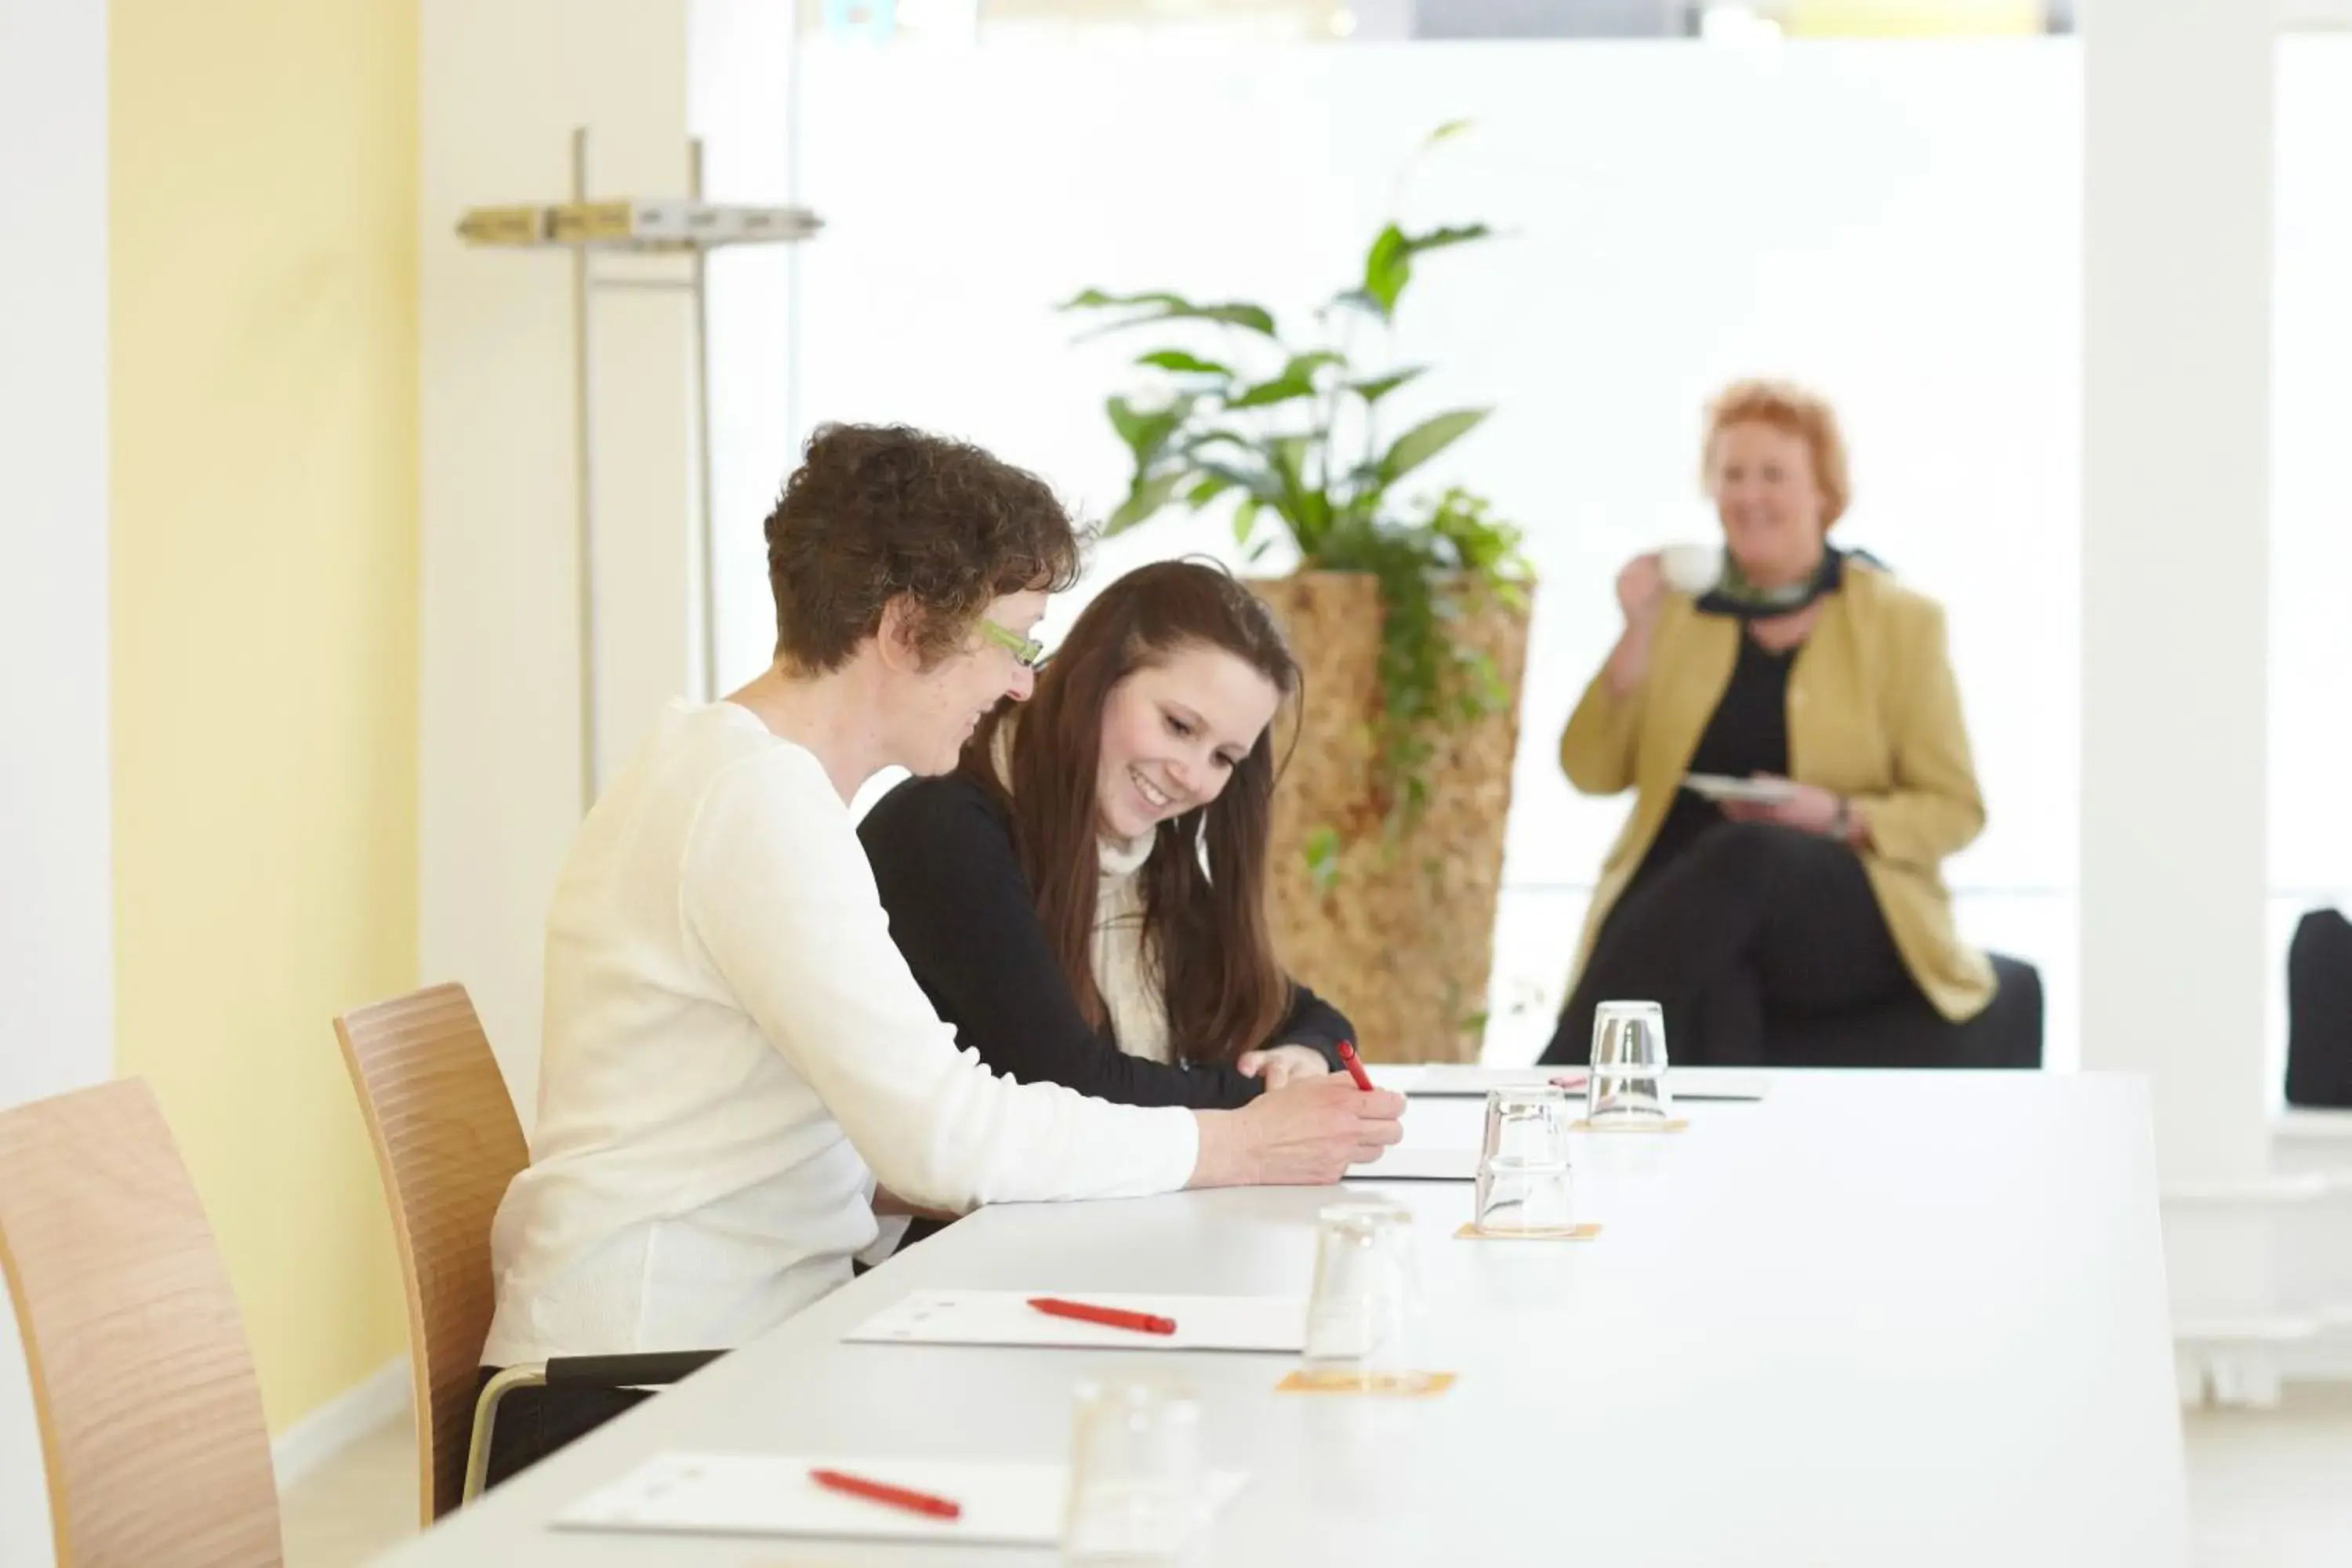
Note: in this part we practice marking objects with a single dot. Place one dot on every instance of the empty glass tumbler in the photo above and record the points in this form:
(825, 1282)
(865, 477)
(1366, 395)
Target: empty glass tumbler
(1628, 1084)
(1524, 1187)
(1366, 1316)
(1137, 1490)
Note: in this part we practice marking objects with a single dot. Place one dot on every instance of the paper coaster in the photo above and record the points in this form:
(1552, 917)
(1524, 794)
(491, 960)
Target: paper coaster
(1421, 1385)
(1568, 1233)
(1677, 1125)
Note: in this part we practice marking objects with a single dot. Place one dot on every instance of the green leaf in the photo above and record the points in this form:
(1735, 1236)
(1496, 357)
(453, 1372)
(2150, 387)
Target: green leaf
(1162, 306)
(1388, 268)
(1256, 317)
(1245, 520)
(1322, 849)
(1283, 388)
(1297, 381)
(1444, 239)
(1426, 439)
(1207, 489)
(1144, 501)
(1183, 364)
(1095, 300)
(1388, 264)
(1215, 435)
(1307, 509)
(1262, 485)
(1448, 132)
(1287, 455)
(1124, 420)
(1147, 431)
(1380, 387)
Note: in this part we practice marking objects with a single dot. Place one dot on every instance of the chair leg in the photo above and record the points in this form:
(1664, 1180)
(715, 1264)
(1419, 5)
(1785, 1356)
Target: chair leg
(485, 1415)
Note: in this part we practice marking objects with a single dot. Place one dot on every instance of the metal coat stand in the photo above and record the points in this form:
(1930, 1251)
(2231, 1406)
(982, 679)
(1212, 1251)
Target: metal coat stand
(692, 228)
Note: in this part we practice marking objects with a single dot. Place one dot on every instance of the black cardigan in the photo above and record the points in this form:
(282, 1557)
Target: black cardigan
(964, 916)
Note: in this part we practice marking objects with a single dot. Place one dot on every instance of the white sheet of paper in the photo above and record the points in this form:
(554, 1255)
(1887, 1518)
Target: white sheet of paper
(1722, 786)
(1412, 1162)
(1005, 1318)
(772, 1494)
(1465, 1082)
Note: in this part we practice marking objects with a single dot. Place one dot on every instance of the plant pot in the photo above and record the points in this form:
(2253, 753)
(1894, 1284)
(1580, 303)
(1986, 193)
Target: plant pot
(1397, 930)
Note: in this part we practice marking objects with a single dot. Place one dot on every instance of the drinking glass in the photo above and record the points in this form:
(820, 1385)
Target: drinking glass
(1628, 1085)
(1137, 1488)
(1524, 1183)
(1366, 1316)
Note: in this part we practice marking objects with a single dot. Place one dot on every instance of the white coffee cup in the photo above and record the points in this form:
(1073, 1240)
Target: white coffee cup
(1692, 569)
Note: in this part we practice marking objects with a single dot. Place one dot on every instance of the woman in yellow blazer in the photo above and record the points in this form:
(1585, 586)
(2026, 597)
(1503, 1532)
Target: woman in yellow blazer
(1801, 664)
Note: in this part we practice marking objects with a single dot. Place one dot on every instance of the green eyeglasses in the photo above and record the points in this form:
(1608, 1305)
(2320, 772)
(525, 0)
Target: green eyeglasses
(1027, 652)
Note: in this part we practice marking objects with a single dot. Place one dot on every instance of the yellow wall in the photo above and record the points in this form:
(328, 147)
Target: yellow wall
(264, 603)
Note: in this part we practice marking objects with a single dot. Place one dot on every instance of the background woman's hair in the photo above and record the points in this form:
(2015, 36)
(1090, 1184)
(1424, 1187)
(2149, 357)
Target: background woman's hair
(1793, 411)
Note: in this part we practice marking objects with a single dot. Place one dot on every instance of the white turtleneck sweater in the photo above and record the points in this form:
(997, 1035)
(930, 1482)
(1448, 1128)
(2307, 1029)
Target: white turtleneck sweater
(1125, 973)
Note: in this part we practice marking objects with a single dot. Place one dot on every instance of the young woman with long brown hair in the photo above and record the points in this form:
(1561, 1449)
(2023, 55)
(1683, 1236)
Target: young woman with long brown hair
(1084, 898)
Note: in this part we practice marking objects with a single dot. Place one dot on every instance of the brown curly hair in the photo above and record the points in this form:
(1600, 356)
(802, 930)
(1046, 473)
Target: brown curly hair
(877, 511)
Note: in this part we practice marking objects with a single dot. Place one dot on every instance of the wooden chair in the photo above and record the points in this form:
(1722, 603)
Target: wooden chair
(446, 1144)
(150, 1421)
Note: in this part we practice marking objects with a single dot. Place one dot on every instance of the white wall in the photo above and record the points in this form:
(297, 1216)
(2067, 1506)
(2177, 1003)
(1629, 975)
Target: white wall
(740, 100)
(55, 893)
(2176, 279)
(2310, 643)
(2177, 222)
(503, 83)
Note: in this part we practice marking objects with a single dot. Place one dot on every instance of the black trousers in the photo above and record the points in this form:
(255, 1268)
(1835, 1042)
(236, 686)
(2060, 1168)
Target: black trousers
(532, 1423)
(1751, 922)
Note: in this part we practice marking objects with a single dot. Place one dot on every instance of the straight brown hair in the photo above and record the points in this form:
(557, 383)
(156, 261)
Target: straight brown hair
(1204, 885)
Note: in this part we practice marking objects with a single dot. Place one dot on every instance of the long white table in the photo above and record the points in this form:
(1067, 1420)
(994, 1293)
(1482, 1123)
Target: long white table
(1871, 1319)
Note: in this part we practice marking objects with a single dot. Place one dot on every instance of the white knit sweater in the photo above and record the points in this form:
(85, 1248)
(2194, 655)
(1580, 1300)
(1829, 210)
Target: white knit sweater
(734, 1051)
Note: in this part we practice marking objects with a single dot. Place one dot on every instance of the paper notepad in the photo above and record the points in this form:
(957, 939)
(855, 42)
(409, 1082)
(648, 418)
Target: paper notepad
(771, 1494)
(1462, 1080)
(1408, 1162)
(1005, 1318)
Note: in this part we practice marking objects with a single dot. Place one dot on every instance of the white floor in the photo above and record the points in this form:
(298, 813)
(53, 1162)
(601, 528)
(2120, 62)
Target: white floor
(356, 1504)
(2267, 1489)
(2273, 1488)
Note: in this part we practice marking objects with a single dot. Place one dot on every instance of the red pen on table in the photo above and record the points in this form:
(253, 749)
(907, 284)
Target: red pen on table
(1355, 1067)
(883, 1492)
(1113, 1317)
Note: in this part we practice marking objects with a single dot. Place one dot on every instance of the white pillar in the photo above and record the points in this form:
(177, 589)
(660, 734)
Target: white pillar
(57, 895)
(2177, 173)
(502, 84)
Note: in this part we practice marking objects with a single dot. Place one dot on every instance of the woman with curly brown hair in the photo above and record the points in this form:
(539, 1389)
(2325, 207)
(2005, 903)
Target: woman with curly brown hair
(736, 1064)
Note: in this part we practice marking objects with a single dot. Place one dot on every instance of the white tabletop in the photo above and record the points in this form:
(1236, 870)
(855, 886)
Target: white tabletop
(1875, 1319)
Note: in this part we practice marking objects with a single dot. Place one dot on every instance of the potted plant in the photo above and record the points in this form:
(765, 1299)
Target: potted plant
(1408, 612)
